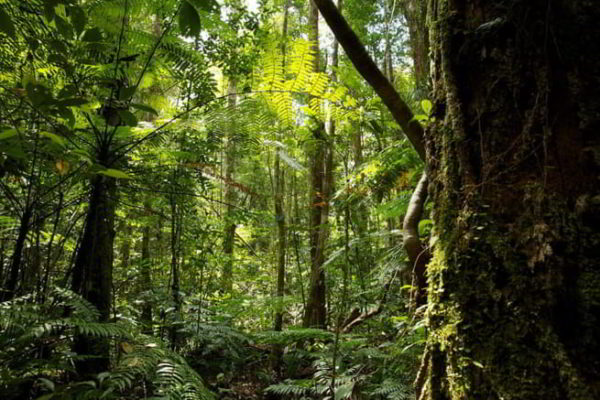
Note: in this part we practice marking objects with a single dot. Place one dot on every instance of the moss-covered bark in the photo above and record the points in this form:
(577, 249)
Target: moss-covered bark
(514, 284)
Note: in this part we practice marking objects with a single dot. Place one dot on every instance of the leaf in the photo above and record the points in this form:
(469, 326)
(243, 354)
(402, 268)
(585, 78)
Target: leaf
(128, 118)
(92, 35)
(115, 173)
(6, 24)
(344, 391)
(49, 12)
(54, 138)
(73, 102)
(78, 19)
(145, 108)
(63, 27)
(206, 5)
(8, 134)
(127, 93)
(427, 106)
(62, 166)
(48, 383)
(189, 20)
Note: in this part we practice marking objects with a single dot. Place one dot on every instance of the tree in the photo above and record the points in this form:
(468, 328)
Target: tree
(315, 314)
(513, 262)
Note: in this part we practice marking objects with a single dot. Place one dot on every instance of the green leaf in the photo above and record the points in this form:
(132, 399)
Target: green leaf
(145, 108)
(8, 134)
(47, 383)
(344, 391)
(92, 35)
(78, 19)
(54, 138)
(427, 106)
(189, 20)
(63, 27)
(38, 94)
(73, 102)
(128, 118)
(49, 12)
(206, 5)
(6, 24)
(115, 173)
(425, 226)
(127, 93)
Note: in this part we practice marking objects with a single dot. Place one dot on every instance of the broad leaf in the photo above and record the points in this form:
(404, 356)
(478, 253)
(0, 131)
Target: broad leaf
(54, 138)
(115, 173)
(145, 108)
(8, 134)
(128, 118)
(63, 27)
(92, 35)
(189, 20)
(78, 19)
(6, 24)
(426, 106)
(206, 5)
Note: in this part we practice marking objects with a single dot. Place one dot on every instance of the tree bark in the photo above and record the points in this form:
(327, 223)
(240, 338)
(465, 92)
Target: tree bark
(92, 273)
(279, 173)
(418, 254)
(315, 315)
(146, 278)
(514, 304)
(15, 263)
(415, 13)
(229, 197)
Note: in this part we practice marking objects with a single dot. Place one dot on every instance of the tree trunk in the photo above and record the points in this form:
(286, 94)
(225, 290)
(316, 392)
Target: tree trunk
(279, 173)
(175, 256)
(146, 278)
(418, 254)
(415, 12)
(315, 314)
(514, 307)
(92, 273)
(17, 256)
(230, 197)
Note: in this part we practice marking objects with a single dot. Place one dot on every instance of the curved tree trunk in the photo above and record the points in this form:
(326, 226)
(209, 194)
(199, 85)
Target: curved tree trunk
(418, 254)
(514, 306)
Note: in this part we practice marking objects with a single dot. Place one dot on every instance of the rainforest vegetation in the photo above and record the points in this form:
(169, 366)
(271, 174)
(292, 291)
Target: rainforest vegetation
(300, 199)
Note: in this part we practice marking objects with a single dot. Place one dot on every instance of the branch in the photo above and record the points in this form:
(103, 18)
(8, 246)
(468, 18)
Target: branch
(365, 65)
(356, 318)
(418, 255)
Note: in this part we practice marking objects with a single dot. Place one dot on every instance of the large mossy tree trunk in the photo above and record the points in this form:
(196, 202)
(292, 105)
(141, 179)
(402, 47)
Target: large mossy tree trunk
(92, 273)
(514, 298)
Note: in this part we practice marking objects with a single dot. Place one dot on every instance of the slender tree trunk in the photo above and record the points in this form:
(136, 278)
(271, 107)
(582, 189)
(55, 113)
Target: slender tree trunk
(415, 13)
(418, 254)
(175, 284)
(230, 196)
(17, 256)
(514, 303)
(126, 246)
(92, 273)
(279, 174)
(146, 278)
(315, 314)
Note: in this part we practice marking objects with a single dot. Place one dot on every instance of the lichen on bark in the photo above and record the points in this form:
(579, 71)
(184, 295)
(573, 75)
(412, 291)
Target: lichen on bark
(513, 299)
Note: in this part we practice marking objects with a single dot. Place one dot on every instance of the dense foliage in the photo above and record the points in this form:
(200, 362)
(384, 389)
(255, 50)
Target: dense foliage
(157, 170)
